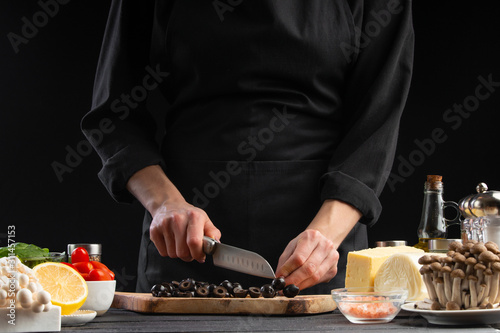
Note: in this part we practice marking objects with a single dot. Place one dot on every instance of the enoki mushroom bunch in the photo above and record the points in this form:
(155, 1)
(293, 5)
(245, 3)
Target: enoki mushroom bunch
(468, 277)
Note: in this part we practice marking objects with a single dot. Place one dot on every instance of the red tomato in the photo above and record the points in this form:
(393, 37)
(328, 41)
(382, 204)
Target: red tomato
(83, 267)
(85, 276)
(70, 265)
(100, 265)
(79, 255)
(99, 275)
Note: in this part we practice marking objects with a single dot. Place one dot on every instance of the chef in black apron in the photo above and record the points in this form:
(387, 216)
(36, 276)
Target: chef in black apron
(280, 130)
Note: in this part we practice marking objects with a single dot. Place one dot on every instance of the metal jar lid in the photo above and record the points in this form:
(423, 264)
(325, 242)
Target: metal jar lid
(390, 243)
(92, 249)
(441, 244)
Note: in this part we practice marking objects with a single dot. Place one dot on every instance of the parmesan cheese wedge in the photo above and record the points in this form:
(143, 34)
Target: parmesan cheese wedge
(401, 270)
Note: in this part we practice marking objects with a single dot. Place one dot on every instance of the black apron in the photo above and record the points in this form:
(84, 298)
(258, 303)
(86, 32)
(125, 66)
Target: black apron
(229, 82)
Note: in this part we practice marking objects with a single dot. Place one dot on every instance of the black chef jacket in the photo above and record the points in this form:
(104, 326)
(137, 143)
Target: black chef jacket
(273, 107)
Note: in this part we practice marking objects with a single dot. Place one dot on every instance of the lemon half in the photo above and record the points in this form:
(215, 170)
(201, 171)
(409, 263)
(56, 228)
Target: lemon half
(65, 285)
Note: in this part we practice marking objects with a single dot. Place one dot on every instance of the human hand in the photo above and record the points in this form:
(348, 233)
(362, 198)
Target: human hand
(178, 228)
(308, 259)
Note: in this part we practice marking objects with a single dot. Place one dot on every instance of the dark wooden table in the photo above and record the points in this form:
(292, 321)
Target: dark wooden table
(117, 320)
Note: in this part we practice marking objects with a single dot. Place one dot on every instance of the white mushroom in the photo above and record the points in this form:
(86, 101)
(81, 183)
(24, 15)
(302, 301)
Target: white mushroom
(440, 291)
(479, 269)
(427, 275)
(446, 271)
(452, 306)
(457, 275)
(495, 267)
(472, 289)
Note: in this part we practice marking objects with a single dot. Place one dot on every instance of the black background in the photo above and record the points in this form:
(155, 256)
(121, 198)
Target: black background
(46, 87)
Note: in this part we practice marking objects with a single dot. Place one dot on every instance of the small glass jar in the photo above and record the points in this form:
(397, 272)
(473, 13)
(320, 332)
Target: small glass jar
(94, 250)
(390, 243)
(440, 245)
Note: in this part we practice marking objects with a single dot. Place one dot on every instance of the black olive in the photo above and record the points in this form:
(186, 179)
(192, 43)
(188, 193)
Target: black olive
(202, 291)
(291, 291)
(156, 288)
(211, 287)
(175, 284)
(254, 292)
(267, 291)
(186, 285)
(237, 285)
(220, 292)
(278, 283)
(184, 294)
(167, 287)
(228, 285)
(240, 292)
(155, 293)
(201, 284)
(164, 293)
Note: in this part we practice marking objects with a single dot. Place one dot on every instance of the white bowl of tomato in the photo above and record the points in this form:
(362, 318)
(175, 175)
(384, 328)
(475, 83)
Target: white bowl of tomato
(100, 281)
(100, 297)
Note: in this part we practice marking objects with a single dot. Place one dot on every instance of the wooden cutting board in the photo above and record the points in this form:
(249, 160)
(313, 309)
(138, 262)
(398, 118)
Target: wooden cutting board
(280, 305)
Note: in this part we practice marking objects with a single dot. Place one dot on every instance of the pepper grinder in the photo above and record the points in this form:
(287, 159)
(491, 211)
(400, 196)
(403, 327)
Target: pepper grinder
(433, 224)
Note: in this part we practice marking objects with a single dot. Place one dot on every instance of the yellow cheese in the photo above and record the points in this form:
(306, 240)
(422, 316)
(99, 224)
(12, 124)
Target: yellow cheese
(363, 265)
(401, 270)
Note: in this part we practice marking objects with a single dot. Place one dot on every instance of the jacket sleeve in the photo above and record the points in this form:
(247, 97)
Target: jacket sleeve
(380, 54)
(119, 126)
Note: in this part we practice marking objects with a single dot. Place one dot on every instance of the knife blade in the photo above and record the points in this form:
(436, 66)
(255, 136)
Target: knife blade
(237, 259)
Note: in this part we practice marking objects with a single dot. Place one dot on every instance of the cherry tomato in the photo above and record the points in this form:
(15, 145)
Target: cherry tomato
(85, 276)
(70, 265)
(99, 275)
(83, 267)
(100, 265)
(79, 255)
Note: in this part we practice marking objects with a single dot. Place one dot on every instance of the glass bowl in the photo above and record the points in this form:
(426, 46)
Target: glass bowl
(51, 257)
(364, 305)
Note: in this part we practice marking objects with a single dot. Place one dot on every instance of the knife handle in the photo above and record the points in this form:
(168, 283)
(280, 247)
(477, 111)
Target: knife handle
(209, 245)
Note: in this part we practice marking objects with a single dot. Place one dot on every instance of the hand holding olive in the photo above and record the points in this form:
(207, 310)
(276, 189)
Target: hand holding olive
(308, 259)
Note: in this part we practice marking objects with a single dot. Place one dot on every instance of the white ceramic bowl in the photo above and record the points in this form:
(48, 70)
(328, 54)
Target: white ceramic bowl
(101, 294)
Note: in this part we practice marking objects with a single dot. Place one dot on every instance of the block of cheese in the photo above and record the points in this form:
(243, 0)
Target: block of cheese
(363, 265)
(401, 270)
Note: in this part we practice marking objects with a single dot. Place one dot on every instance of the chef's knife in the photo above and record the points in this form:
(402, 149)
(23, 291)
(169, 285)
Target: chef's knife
(237, 259)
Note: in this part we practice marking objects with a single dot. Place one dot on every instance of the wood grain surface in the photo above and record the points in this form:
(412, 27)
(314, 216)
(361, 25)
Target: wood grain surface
(280, 305)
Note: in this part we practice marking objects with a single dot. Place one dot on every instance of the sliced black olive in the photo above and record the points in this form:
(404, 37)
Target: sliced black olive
(254, 292)
(175, 284)
(167, 287)
(164, 293)
(240, 292)
(202, 291)
(228, 285)
(291, 291)
(211, 287)
(201, 284)
(156, 288)
(155, 293)
(184, 294)
(267, 291)
(278, 283)
(237, 285)
(220, 292)
(186, 285)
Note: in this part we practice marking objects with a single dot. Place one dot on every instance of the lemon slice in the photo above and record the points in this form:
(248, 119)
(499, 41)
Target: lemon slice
(65, 285)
